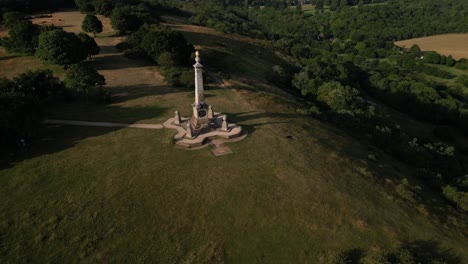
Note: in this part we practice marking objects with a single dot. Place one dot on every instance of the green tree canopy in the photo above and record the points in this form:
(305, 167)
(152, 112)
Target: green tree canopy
(91, 24)
(338, 97)
(40, 84)
(83, 79)
(13, 17)
(60, 47)
(85, 6)
(23, 37)
(158, 40)
(415, 50)
(124, 19)
(319, 5)
(103, 7)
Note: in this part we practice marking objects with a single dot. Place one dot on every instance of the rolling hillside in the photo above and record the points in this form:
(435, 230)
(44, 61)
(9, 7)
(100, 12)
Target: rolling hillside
(296, 190)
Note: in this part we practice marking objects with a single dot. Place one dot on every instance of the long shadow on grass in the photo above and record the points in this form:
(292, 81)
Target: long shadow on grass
(9, 57)
(56, 138)
(104, 113)
(115, 62)
(252, 115)
(130, 92)
(108, 49)
(419, 251)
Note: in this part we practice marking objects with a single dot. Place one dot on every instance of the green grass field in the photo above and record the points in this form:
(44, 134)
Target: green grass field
(101, 195)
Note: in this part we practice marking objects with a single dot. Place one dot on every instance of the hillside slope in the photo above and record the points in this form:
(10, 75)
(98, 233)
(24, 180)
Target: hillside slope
(294, 190)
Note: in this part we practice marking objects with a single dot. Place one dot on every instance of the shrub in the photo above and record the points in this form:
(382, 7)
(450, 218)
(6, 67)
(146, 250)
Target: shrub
(125, 19)
(60, 47)
(177, 76)
(456, 197)
(91, 24)
(84, 80)
(23, 37)
(157, 40)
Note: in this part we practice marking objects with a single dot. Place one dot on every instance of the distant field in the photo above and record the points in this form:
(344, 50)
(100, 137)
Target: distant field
(447, 44)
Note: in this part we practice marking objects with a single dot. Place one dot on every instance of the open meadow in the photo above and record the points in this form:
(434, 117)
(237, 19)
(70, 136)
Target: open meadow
(446, 44)
(294, 190)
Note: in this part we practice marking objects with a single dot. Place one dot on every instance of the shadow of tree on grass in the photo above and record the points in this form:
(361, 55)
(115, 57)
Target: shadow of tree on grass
(417, 251)
(55, 138)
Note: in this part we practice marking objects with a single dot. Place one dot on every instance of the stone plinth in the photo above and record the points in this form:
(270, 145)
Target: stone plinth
(189, 138)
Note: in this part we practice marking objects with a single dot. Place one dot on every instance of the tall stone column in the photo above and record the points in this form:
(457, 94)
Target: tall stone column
(199, 90)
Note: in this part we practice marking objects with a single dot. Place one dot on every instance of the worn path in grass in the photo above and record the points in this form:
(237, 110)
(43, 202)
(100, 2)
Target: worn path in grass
(101, 124)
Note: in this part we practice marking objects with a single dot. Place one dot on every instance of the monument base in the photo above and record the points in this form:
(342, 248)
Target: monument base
(205, 132)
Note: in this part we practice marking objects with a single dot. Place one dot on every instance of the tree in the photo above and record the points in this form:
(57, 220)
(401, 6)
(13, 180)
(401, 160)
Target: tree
(450, 61)
(338, 97)
(123, 19)
(415, 50)
(21, 104)
(20, 117)
(361, 4)
(83, 79)
(89, 43)
(60, 47)
(40, 84)
(11, 18)
(85, 6)
(91, 24)
(343, 3)
(103, 7)
(157, 40)
(319, 5)
(334, 5)
(23, 37)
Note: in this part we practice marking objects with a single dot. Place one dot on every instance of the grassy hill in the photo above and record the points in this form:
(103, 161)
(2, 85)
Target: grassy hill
(294, 190)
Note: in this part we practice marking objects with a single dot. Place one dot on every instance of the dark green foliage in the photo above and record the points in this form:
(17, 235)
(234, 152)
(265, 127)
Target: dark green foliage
(60, 47)
(20, 117)
(282, 76)
(23, 37)
(450, 61)
(84, 80)
(39, 84)
(319, 5)
(21, 104)
(415, 252)
(462, 64)
(457, 197)
(103, 7)
(91, 24)
(415, 50)
(435, 71)
(416, 98)
(125, 19)
(338, 97)
(324, 67)
(178, 76)
(89, 44)
(85, 6)
(158, 40)
(432, 57)
(11, 18)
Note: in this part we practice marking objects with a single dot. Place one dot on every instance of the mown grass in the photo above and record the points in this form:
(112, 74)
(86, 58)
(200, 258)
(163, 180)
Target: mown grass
(94, 195)
(13, 64)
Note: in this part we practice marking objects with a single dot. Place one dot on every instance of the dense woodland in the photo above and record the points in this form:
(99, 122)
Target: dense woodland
(342, 62)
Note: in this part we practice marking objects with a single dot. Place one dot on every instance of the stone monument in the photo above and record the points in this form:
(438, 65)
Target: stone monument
(204, 125)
